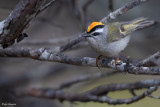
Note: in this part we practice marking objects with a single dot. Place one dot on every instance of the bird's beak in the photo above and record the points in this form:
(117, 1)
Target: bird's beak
(86, 35)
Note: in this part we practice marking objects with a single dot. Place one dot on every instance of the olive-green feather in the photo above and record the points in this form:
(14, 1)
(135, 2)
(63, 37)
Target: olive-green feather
(113, 32)
(117, 31)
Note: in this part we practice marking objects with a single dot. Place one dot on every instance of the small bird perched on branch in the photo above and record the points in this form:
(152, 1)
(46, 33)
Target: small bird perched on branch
(110, 39)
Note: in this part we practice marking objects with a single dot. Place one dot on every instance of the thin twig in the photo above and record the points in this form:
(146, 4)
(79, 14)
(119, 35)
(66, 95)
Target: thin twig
(120, 11)
(70, 44)
(45, 7)
(153, 60)
(156, 97)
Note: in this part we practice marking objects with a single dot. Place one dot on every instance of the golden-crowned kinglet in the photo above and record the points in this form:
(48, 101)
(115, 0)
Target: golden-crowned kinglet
(110, 39)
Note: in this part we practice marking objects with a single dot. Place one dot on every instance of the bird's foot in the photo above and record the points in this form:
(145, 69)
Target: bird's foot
(118, 61)
(97, 59)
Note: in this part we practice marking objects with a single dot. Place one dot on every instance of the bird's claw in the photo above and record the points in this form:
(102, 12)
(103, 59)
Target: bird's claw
(97, 65)
(117, 62)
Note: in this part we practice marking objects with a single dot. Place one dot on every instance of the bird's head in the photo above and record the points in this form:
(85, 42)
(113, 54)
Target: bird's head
(95, 29)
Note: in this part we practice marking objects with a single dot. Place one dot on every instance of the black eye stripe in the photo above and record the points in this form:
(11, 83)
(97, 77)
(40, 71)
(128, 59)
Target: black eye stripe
(95, 34)
(96, 27)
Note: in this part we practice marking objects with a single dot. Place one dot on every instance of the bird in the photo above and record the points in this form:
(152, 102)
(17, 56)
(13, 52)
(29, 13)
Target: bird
(111, 38)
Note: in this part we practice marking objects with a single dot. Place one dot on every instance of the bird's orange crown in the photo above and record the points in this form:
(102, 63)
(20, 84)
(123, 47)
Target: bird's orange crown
(93, 24)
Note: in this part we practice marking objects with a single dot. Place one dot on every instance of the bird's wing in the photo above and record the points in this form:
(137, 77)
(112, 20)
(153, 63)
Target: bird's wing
(117, 31)
(114, 33)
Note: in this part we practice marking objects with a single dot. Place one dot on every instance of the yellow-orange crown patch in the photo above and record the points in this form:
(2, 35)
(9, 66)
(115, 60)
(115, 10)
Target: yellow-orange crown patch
(93, 24)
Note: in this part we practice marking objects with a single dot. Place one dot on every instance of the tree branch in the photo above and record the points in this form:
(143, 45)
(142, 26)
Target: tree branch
(153, 60)
(49, 55)
(45, 7)
(156, 97)
(86, 96)
(16, 22)
(120, 11)
(102, 90)
(70, 44)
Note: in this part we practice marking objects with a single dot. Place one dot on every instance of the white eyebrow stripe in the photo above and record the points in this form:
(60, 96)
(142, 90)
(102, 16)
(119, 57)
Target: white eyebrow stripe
(100, 30)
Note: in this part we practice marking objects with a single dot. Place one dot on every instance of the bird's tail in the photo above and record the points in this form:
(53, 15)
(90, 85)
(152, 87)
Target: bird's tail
(131, 26)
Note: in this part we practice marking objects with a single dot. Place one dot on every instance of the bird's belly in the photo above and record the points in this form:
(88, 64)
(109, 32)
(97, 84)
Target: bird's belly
(110, 49)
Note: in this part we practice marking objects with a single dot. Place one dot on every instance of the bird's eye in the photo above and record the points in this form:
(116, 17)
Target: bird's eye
(96, 34)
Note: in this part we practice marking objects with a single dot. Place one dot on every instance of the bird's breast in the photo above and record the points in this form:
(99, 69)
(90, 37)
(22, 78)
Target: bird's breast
(101, 46)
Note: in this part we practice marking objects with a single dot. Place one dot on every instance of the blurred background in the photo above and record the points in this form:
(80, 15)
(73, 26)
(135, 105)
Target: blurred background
(62, 21)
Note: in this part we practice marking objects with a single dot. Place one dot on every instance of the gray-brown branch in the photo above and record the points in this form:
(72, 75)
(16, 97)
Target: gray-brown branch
(18, 20)
(92, 95)
(153, 60)
(48, 55)
(122, 10)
